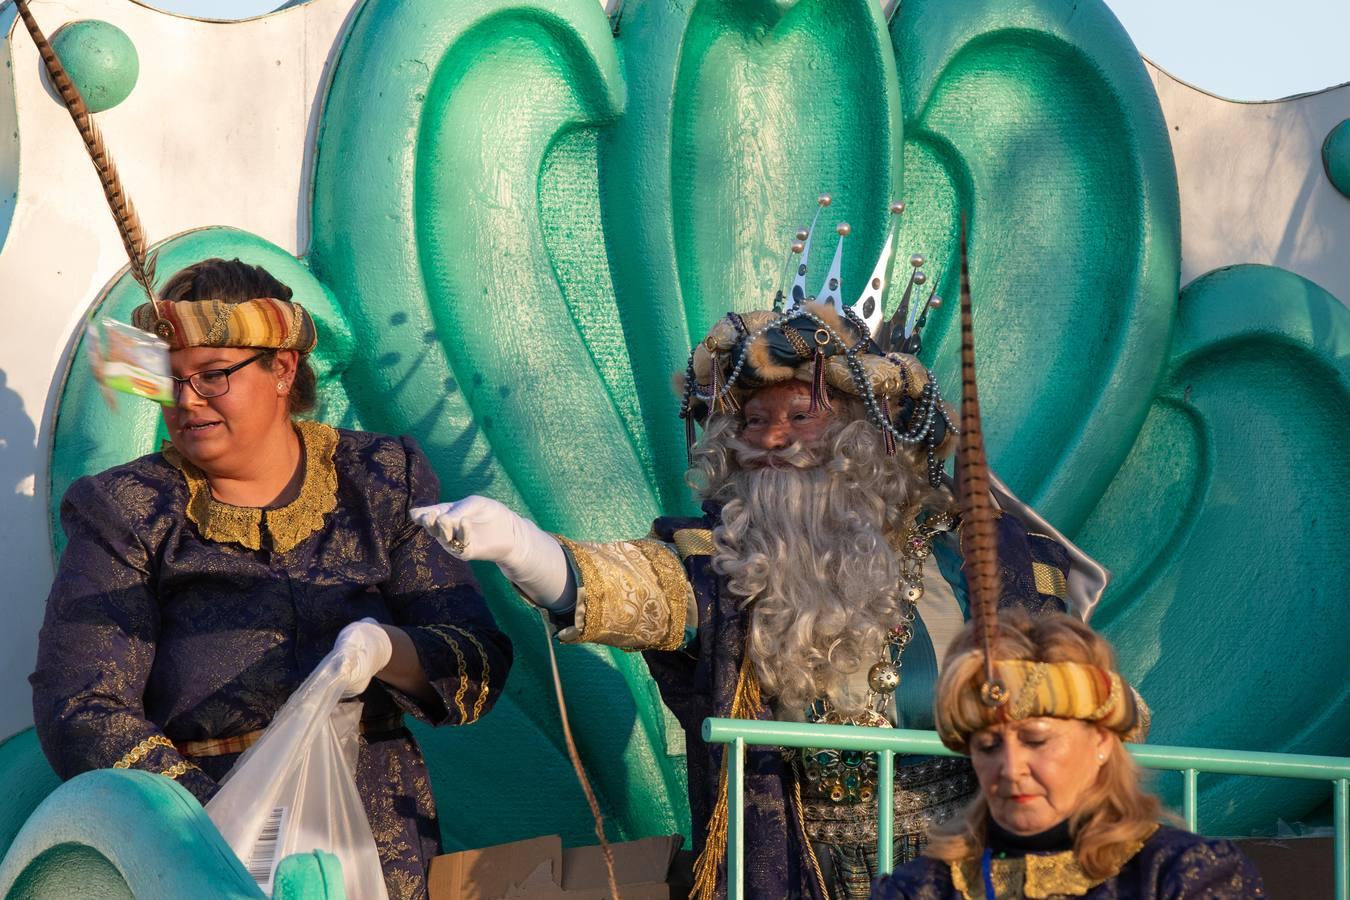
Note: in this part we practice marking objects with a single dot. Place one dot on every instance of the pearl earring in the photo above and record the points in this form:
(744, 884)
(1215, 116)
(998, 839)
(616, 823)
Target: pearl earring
(1101, 757)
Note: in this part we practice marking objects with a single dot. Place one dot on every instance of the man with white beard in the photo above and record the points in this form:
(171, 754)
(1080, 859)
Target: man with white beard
(822, 583)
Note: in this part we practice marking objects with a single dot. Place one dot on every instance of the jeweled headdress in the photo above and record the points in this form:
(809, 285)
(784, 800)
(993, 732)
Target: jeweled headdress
(832, 345)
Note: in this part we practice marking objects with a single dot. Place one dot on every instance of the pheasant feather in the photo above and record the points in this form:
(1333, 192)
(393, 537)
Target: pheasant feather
(979, 541)
(123, 212)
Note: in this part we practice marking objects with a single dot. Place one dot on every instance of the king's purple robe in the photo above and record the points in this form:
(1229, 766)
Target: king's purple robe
(698, 677)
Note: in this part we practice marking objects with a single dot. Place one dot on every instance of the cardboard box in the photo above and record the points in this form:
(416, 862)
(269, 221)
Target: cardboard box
(540, 869)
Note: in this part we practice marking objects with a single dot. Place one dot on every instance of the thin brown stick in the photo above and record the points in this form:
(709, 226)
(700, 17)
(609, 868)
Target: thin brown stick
(580, 770)
(979, 537)
(123, 212)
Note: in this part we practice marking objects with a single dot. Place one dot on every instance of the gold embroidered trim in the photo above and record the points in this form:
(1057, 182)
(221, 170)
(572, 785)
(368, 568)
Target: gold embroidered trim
(291, 524)
(693, 542)
(670, 576)
(1049, 580)
(630, 594)
(483, 689)
(142, 750)
(439, 631)
(1037, 876)
(178, 770)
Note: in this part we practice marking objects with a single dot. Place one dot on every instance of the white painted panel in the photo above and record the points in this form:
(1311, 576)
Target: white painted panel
(217, 132)
(1253, 187)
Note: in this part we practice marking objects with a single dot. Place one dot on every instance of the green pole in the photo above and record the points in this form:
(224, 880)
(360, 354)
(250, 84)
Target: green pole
(1340, 789)
(1188, 798)
(735, 822)
(885, 810)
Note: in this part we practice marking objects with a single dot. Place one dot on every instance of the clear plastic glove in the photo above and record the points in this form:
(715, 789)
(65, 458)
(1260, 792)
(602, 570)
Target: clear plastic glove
(364, 650)
(480, 528)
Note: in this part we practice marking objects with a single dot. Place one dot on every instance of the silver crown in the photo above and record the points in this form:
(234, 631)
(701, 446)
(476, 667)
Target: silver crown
(901, 333)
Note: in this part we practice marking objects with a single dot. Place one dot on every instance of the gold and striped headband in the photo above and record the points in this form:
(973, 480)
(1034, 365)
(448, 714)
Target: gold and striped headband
(1061, 690)
(266, 323)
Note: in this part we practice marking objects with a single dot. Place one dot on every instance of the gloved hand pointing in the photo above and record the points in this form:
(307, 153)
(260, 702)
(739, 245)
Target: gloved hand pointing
(364, 649)
(480, 528)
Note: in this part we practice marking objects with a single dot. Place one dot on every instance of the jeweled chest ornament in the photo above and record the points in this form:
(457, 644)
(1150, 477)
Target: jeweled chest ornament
(850, 776)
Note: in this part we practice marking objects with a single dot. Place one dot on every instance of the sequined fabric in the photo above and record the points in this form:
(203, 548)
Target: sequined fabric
(155, 635)
(1172, 864)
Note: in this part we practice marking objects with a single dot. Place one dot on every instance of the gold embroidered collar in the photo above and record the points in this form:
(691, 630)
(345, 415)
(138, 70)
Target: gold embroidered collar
(1036, 875)
(290, 524)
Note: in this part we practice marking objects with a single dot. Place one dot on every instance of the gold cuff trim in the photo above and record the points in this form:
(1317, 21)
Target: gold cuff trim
(1050, 580)
(291, 524)
(486, 672)
(463, 689)
(694, 542)
(674, 584)
(178, 770)
(142, 750)
(632, 594)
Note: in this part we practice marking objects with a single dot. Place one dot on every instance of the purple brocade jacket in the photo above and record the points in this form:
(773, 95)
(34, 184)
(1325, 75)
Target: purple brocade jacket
(1171, 865)
(164, 648)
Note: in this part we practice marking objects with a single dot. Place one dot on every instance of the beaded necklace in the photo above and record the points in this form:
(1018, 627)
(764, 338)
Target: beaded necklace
(850, 776)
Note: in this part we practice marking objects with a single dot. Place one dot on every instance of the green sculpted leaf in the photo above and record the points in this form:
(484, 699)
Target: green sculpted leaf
(1226, 527)
(740, 113)
(468, 256)
(89, 437)
(1039, 118)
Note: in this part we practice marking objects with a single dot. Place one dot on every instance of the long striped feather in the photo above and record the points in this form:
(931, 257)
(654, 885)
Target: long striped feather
(123, 212)
(979, 539)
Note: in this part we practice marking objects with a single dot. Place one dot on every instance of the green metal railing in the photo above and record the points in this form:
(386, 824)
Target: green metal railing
(887, 742)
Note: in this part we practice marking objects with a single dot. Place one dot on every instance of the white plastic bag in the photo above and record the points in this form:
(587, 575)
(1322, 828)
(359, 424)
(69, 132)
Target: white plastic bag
(294, 791)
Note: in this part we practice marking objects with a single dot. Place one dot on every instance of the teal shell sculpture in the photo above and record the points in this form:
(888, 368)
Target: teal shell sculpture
(523, 213)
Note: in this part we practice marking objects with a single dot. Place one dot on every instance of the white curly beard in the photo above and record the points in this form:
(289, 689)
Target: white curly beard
(805, 544)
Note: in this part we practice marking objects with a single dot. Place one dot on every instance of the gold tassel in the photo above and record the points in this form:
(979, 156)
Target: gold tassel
(820, 391)
(722, 402)
(745, 704)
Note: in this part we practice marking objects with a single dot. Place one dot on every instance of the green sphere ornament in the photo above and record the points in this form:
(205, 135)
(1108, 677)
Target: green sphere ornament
(100, 59)
(1336, 157)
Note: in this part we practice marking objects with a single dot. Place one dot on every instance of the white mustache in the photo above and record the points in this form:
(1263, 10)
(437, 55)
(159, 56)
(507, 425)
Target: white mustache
(794, 456)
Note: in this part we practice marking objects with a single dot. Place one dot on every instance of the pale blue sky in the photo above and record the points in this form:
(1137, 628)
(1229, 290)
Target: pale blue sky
(1240, 49)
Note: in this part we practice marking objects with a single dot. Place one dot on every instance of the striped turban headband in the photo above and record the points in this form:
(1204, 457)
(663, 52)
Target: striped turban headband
(1061, 690)
(265, 323)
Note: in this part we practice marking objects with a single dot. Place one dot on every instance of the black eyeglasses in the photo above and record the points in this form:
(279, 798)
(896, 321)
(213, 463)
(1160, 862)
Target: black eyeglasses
(213, 382)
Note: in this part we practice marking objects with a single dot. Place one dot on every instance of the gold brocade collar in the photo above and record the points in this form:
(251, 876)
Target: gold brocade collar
(289, 525)
(1036, 875)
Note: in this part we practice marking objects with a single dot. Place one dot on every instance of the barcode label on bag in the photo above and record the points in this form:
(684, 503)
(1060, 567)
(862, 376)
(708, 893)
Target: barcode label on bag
(262, 862)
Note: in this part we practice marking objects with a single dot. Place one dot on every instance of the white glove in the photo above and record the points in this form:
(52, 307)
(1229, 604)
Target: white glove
(479, 528)
(364, 649)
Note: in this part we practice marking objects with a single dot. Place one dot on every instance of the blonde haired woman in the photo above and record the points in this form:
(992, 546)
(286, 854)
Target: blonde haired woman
(1060, 811)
